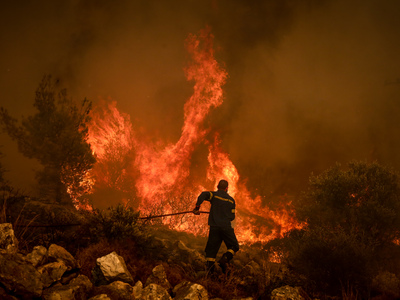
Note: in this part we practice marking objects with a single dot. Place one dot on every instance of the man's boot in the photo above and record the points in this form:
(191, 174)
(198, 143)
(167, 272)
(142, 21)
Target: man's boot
(225, 259)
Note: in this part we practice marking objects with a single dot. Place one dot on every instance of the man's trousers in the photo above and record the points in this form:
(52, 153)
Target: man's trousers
(216, 236)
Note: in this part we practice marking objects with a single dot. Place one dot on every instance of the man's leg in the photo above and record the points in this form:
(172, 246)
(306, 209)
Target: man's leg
(232, 246)
(213, 244)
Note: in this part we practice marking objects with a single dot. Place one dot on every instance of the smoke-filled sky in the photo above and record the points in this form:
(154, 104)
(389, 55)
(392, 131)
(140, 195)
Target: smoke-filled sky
(310, 82)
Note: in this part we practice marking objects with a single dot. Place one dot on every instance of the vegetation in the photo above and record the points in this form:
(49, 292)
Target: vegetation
(114, 224)
(353, 221)
(349, 248)
(56, 136)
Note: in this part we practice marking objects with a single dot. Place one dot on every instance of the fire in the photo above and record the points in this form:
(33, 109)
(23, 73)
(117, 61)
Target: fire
(173, 162)
(222, 167)
(111, 135)
(159, 175)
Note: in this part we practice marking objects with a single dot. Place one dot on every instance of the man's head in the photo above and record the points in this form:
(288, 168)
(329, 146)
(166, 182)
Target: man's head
(222, 185)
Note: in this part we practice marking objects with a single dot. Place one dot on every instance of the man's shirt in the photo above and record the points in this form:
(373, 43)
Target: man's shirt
(222, 210)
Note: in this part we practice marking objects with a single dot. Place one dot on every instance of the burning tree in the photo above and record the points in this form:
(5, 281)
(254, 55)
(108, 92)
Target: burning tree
(56, 136)
(353, 224)
(111, 137)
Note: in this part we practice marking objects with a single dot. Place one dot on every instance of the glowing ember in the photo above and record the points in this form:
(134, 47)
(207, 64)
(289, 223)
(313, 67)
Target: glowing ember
(159, 176)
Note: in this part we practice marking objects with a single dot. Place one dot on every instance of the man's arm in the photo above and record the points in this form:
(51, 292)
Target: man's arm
(233, 211)
(204, 196)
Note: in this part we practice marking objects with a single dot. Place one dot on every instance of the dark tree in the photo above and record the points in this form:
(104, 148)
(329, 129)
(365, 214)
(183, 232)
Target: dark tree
(56, 135)
(364, 198)
(353, 223)
(2, 171)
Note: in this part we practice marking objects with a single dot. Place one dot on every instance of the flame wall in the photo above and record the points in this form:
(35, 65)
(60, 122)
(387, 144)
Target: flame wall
(310, 82)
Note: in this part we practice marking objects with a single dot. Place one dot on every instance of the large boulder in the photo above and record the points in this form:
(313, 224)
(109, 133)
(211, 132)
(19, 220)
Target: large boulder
(8, 241)
(111, 268)
(20, 277)
(187, 290)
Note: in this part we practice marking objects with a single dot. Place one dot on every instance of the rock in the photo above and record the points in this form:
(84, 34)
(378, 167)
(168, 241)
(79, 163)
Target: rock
(26, 210)
(159, 277)
(252, 268)
(187, 291)
(180, 253)
(100, 297)
(20, 277)
(37, 256)
(58, 253)
(154, 291)
(60, 292)
(5, 296)
(68, 276)
(77, 289)
(8, 241)
(137, 289)
(84, 282)
(52, 272)
(116, 290)
(287, 293)
(111, 268)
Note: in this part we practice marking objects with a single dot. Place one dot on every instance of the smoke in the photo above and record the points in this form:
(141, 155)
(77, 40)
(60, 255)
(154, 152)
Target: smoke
(321, 96)
(310, 83)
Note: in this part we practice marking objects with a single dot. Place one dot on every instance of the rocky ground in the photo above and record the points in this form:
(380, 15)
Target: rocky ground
(53, 273)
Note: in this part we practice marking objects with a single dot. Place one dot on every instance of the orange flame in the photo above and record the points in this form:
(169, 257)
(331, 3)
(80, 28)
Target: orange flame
(160, 175)
(164, 170)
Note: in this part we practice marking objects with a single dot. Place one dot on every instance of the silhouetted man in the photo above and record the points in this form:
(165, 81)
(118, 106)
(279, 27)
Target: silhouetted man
(222, 213)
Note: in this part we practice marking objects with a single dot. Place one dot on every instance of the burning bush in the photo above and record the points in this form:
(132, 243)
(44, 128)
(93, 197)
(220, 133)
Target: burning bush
(352, 222)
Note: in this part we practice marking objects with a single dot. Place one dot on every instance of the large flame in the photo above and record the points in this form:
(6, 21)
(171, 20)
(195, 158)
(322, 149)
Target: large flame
(159, 176)
(165, 170)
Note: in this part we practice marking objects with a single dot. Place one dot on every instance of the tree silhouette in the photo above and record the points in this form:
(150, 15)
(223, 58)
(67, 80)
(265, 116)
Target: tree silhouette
(56, 136)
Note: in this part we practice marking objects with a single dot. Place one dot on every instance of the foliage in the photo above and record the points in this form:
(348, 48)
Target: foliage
(352, 219)
(364, 199)
(388, 284)
(115, 223)
(4, 187)
(2, 172)
(56, 135)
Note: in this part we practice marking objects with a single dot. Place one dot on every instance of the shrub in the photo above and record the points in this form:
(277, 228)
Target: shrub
(388, 284)
(352, 220)
(115, 223)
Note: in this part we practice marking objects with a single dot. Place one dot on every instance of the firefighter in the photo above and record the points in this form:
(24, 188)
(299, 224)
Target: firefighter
(222, 213)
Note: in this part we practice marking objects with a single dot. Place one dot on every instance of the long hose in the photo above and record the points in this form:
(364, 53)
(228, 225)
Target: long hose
(173, 214)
